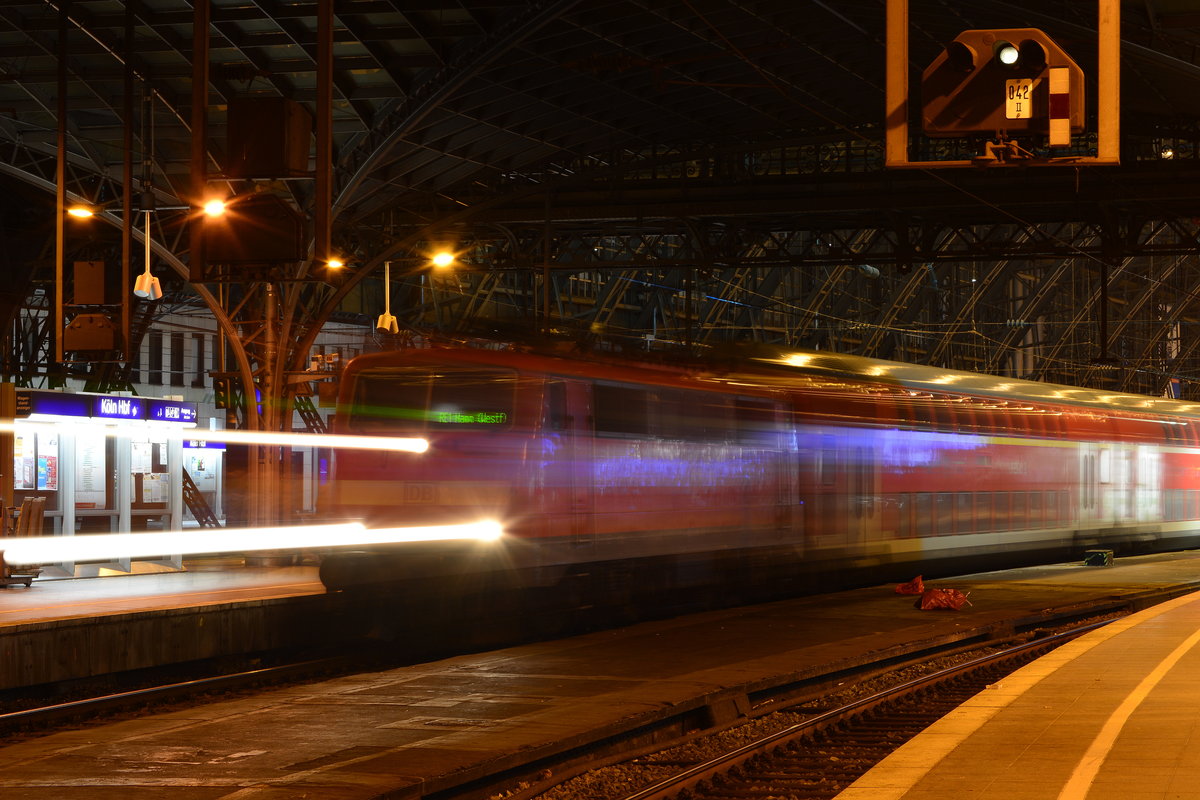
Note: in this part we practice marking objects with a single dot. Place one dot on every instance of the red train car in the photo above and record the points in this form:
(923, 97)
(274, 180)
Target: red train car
(779, 473)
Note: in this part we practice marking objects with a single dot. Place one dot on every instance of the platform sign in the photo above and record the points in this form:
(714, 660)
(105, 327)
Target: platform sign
(171, 411)
(1018, 98)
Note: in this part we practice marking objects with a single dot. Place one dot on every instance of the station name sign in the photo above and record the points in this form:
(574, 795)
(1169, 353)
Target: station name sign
(45, 403)
(118, 408)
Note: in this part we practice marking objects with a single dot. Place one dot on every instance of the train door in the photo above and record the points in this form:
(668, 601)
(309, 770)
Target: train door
(1091, 501)
(863, 491)
(846, 497)
(568, 416)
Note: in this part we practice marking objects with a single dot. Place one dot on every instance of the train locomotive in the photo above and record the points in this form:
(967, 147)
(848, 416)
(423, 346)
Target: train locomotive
(761, 477)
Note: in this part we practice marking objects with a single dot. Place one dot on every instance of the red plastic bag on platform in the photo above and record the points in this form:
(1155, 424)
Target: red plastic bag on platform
(937, 599)
(915, 586)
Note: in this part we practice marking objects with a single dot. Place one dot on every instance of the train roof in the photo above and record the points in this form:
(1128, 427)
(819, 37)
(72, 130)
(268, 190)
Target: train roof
(917, 377)
(761, 368)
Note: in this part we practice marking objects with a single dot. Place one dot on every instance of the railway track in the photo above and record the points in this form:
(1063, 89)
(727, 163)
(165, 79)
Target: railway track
(27, 710)
(829, 748)
(799, 713)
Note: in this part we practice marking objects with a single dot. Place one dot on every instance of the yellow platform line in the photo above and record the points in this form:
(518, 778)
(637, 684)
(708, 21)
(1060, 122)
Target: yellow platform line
(899, 772)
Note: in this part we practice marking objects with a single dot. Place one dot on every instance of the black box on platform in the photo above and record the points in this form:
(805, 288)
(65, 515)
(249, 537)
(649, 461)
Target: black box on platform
(1097, 558)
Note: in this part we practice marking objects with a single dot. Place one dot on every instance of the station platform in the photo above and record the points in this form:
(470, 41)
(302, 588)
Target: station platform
(203, 583)
(440, 726)
(1113, 715)
(60, 630)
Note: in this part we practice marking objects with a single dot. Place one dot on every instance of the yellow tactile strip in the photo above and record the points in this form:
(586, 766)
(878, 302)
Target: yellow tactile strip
(919, 769)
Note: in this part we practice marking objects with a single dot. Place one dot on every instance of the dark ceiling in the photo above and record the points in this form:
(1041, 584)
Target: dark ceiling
(729, 150)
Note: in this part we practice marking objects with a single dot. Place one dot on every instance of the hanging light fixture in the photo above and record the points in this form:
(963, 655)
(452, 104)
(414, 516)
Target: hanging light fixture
(387, 322)
(147, 285)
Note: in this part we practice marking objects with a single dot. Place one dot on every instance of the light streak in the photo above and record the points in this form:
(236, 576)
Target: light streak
(115, 546)
(411, 444)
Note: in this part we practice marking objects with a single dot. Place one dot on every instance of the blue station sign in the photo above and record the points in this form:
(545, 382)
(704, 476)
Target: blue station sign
(46, 403)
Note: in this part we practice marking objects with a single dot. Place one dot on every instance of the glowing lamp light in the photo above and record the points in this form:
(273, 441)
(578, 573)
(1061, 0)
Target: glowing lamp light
(214, 208)
(442, 259)
(335, 263)
(1007, 53)
(81, 212)
(797, 360)
(113, 546)
(409, 444)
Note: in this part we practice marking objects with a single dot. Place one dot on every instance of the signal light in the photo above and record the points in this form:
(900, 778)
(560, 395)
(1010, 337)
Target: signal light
(999, 82)
(222, 396)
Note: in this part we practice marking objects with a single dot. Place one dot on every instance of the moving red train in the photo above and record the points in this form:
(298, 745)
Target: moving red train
(790, 472)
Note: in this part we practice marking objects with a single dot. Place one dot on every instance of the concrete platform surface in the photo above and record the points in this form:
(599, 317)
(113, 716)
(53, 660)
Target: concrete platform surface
(92, 597)
(65, 630)
(1113, 715)
(416, 730)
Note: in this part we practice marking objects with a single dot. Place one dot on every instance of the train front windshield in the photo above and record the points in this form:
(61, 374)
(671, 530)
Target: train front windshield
(425, 399)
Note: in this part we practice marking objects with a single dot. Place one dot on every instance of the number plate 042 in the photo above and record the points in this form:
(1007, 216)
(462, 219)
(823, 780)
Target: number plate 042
(1018, 98)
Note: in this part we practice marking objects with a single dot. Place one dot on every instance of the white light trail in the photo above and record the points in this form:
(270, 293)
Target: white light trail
(114, 546)
(409, 444)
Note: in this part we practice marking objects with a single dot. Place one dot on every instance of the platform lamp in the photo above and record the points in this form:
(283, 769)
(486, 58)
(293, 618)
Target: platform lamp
(387, 321)
(147, 286)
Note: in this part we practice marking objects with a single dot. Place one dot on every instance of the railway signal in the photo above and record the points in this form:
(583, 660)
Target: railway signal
(1003, 82)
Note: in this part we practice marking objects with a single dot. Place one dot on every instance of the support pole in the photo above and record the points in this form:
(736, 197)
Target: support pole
(126, 346)
(8, 412)
(60, 179)
(1108, 83)
(323, 202)
(896, 86)
(199, 149)
(546, 240)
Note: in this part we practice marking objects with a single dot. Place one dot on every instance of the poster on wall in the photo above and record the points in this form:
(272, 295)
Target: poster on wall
(154, 487)
(47, 462)
(139, 457)
(90, 469)
(24, 466)
(148, 464)
(202, 467)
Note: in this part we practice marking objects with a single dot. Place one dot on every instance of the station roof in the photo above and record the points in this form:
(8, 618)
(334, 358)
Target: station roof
(592, 117)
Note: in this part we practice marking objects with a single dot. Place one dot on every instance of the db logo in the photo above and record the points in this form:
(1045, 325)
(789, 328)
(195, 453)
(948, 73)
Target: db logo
(419, 492)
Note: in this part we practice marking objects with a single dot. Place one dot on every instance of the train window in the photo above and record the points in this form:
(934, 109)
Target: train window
(1035, 509)
(695, 416)
(904, 516)
(755, 420)
(923, 412)
(1001, 515)
(902, 408)
(621, 410)
(945, 412)
(828, 461)
(964, 513)
(924, 514)
(945, 514)
(423, 398)
(556, 406)
(672, 420)
(1054, 424)
(983, 512)
(1189, 434)
(1020, 514)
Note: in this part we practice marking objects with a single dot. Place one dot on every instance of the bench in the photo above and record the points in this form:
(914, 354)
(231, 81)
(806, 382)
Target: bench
(29, 519)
